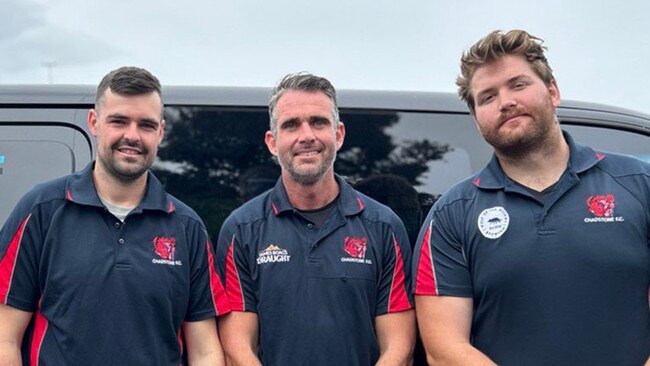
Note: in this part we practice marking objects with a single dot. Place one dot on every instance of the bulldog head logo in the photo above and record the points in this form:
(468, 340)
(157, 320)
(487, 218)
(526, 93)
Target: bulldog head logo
(601, 205)
(355, 247)
(164, 247)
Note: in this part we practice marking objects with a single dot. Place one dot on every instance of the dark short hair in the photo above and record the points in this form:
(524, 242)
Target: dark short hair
(306, 82)
(127, 80)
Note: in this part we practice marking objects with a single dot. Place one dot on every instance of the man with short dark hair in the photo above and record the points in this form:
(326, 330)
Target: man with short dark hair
(541, 258)
(103, 267)
(316, 272)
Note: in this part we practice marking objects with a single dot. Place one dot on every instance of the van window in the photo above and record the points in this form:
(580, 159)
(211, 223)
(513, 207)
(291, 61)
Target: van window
(611, 140)
(30, 155)
(214, 158)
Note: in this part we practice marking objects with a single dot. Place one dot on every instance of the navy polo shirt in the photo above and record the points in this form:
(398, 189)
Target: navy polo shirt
(105, 292)
(316, 291)
(560, 283)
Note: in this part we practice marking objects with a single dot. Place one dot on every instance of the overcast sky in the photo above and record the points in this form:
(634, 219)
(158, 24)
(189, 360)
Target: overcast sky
(600, 50)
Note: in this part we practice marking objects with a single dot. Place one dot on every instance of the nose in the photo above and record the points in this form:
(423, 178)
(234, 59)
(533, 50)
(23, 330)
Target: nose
(131, 133)
(507, 102)
(306, 133)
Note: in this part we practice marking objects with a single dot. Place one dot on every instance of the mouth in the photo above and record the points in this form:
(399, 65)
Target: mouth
(130, 150)
(507, 119)
(307, 153)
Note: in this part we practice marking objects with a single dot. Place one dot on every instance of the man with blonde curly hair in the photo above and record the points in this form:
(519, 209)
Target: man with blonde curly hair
(541, 258)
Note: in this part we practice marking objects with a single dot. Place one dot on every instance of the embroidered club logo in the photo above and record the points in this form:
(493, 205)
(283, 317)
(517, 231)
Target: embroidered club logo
(273, 254)
(356, 249)
(165, 249)
(493, 222)
(602, 207)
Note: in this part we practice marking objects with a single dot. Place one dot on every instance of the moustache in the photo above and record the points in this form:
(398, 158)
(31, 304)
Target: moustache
(125, 143)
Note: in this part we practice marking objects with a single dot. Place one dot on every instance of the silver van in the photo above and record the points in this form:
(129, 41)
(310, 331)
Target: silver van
(213, 156)
(405, 149)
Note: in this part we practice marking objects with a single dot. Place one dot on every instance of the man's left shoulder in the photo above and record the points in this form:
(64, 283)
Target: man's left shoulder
(619, 165)
(183, 211)
(375, 211)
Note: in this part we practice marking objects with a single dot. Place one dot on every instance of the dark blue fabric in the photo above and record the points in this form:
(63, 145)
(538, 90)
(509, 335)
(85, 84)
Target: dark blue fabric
(315, 305)
(562, 285)
(109, 299)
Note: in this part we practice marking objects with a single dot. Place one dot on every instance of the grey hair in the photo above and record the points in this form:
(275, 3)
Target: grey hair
(302, 81)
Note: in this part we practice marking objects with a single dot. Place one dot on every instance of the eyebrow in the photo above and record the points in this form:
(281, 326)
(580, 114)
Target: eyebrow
(122, 116)
(509, 81)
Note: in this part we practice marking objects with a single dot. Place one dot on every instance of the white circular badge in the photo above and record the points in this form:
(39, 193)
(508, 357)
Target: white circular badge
(493, 222)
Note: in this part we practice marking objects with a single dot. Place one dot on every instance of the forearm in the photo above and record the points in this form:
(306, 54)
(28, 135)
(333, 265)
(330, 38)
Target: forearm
(461, 355)
(396, 357)
(242, 358)
(10, 354)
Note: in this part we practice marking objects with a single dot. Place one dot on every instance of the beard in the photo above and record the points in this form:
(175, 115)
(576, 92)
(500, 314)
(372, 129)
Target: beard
(308, 175)
(125, 172)
(533, 136)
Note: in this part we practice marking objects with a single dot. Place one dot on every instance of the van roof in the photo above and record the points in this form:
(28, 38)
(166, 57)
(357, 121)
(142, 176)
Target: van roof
(84, 96)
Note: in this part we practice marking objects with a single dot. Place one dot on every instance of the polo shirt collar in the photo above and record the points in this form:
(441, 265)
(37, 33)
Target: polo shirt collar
(581, 158)
(80, 189)
(349, 201)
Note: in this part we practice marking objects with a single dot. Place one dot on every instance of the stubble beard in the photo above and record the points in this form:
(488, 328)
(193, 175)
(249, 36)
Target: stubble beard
(121, 171)
(308, 176)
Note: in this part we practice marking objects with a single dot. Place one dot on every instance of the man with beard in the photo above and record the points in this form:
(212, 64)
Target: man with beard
(316, 273)
(103, 267)
(542, 257)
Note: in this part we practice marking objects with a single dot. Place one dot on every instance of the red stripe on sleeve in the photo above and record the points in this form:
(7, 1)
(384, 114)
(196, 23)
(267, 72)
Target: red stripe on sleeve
(425, 276)
(40, 327)
(233, 283)
(8, 262)
(219, 299)
(399, 300)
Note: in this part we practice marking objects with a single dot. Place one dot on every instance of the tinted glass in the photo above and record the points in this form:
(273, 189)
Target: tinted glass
(214, 159)
(611, 140)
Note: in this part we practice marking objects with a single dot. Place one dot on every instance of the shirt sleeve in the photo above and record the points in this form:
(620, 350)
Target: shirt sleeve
(439, 264)
(207, 295)
(20, 245)
(393, 290)
(235, 268)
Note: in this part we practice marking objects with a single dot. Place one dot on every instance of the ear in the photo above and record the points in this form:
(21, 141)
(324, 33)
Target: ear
(269, 139)
(91, 120)
(340, 135)
(161, 131)
(554, 91)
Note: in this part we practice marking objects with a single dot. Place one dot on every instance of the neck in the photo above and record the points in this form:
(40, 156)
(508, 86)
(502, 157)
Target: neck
(118, 192)
(311, 197)
(540, 168)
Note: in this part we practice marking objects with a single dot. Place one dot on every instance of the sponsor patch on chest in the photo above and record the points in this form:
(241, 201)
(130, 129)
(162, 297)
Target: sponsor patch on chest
(493, 222)
(273, 254)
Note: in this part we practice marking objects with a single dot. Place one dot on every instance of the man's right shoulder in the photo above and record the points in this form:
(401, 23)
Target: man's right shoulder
(50, 191)
(256, 209)
(461, 192)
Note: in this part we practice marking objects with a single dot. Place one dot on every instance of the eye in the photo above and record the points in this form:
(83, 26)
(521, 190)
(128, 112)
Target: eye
(519, 85)
(149, 126)
(289, 125)
(486, 98)
(319, 122)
